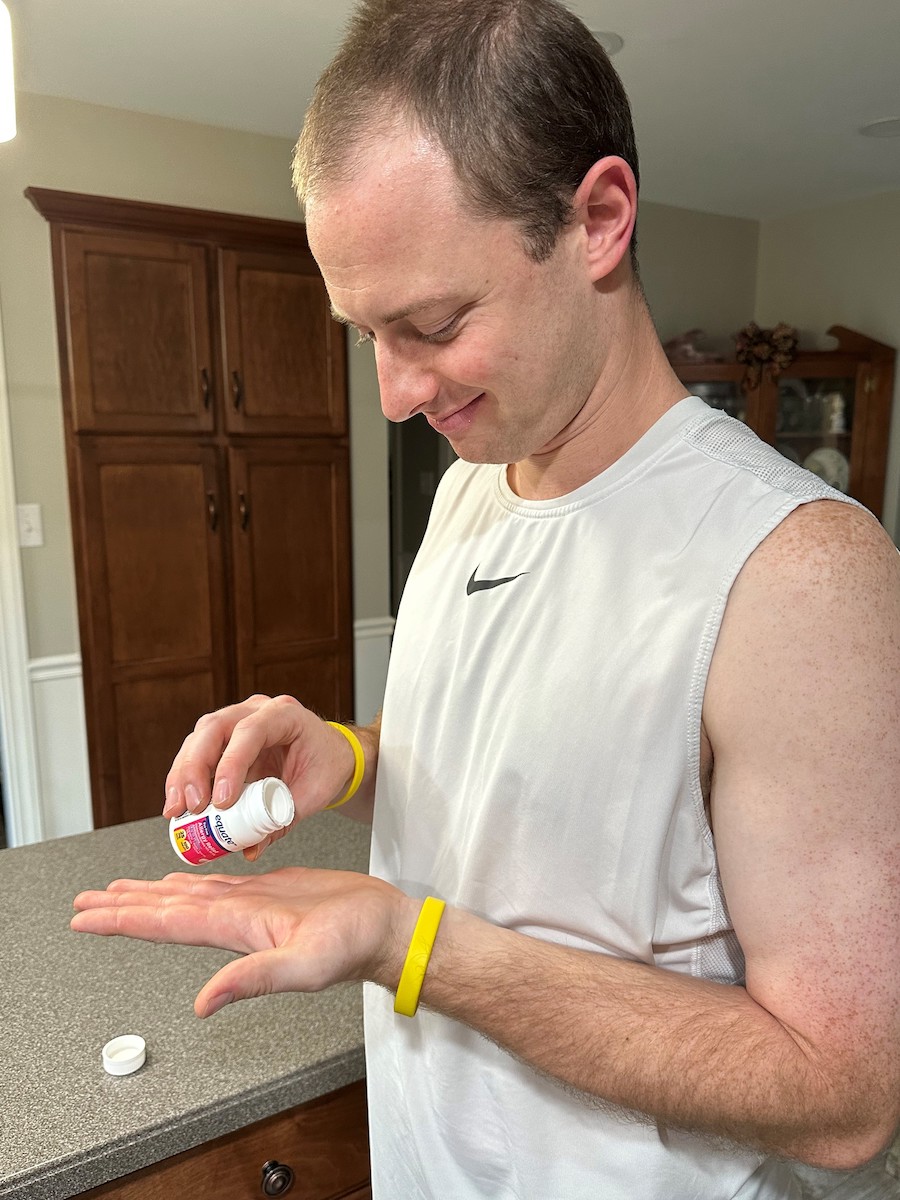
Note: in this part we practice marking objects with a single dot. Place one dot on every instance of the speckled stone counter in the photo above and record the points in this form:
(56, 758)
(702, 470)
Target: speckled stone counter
(65, 1125)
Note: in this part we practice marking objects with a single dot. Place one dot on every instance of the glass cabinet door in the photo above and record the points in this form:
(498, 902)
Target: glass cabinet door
(725, 394)
(814, 425)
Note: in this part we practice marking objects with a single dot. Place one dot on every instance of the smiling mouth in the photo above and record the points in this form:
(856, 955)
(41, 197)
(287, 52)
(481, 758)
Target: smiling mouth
(456, 421)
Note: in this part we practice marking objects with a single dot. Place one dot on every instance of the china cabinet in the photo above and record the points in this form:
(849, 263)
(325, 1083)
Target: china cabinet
(829, 410)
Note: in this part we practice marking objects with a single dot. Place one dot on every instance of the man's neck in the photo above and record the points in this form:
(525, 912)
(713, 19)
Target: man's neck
(638, 385)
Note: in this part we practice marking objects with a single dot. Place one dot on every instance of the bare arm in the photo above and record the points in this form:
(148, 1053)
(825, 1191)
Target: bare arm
(804, 1060)
(803, 711)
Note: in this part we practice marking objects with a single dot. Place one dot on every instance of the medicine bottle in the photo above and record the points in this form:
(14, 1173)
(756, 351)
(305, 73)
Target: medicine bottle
(262, 808)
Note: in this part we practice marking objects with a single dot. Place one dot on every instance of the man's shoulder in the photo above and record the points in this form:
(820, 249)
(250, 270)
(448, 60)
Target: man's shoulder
(825, 542)
(817, 602)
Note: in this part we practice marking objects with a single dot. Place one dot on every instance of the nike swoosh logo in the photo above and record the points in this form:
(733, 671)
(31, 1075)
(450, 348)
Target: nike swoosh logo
(481, 585)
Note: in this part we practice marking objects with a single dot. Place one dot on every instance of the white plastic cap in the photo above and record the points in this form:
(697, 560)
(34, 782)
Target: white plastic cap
(124, 1054)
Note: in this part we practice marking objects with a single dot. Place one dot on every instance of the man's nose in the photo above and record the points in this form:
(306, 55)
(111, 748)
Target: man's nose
(405, 384)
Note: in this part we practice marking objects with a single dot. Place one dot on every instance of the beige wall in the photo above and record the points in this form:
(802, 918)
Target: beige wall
(84, 148)
(839, 265)
(698, 270)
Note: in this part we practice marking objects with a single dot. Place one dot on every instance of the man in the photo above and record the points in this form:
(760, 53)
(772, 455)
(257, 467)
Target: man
(640, 730)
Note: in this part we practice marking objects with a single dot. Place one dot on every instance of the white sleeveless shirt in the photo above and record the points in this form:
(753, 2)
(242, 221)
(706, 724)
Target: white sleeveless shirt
(539, 767)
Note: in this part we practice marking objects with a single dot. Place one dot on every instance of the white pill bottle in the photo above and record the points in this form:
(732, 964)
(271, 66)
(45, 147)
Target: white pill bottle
(262, 808)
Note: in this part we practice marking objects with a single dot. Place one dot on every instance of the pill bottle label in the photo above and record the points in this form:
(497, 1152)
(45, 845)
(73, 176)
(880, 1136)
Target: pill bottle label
(264, 807)
(197, 843)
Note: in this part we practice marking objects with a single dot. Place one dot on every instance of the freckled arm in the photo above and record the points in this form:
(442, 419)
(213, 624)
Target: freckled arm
(803, 712)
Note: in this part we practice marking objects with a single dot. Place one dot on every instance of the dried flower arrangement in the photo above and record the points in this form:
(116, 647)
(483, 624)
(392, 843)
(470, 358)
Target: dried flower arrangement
(756, 347)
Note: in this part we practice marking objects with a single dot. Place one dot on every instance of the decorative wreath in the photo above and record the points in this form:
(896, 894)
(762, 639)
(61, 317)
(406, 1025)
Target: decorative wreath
(756, 347)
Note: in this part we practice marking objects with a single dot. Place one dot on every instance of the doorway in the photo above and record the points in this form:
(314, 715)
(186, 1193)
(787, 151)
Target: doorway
(419, 456)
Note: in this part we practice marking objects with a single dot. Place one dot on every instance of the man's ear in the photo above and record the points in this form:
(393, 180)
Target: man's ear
(605, 205)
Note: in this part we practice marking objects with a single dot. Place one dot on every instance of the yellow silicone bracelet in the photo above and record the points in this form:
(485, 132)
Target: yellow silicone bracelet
(418, 956)
(359, 764)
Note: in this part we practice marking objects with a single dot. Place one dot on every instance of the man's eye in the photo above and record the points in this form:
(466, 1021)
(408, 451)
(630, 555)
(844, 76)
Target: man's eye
(441, 335)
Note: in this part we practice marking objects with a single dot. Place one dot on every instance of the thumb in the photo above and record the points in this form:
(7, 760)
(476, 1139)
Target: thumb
(258, 974)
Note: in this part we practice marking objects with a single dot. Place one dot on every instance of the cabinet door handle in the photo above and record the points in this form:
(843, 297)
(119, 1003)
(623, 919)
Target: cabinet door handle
(212, 510)
(205, 389)
(277, 1178)
(237, 389)
(244, 510)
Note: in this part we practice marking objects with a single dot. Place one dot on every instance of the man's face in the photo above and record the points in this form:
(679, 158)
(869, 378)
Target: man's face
(498, 352)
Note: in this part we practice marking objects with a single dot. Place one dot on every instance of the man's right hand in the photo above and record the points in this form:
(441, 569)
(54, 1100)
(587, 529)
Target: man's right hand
(259, 737)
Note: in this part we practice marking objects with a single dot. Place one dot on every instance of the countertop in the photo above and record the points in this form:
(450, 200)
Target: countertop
(65, 1124)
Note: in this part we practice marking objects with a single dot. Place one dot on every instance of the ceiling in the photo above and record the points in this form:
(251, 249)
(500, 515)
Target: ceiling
(747, 108)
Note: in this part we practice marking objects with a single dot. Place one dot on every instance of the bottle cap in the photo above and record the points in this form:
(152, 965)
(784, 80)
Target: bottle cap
(124, 1054)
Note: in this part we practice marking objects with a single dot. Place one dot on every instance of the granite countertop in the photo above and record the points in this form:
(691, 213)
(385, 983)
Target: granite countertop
(65, 1124)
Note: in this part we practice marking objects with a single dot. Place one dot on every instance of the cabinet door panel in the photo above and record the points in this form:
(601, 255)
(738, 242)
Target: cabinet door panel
(815, 423)
(283, 354)
(325, 1144)
(155, 521)
(152, 718)
(151, 583)
(315, 679)
(137, 317)
(291, 541)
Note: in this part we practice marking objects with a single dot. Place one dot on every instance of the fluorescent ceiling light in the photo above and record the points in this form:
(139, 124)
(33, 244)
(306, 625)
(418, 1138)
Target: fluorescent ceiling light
(889, 127)
(7, 86)
(611, 42)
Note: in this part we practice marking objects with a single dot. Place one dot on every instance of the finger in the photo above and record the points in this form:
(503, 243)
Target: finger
(276, 723)
(167, 919)
(205, 888)
(188, 781)
(283, 969)
(88, 900)
(252, 853)
(174, 883)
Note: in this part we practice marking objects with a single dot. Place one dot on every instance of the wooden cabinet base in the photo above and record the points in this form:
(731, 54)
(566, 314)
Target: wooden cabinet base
(324, 1144)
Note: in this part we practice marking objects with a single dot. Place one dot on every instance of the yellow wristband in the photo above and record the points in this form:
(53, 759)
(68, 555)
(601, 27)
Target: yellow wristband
(417, 957)
(359, 764)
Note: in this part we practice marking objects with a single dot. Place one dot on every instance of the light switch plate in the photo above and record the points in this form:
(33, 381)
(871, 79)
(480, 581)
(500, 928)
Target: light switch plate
(31, 525)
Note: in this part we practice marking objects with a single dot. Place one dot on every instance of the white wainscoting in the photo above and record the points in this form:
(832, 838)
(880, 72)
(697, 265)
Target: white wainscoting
(371, 651)
(61, 742)
(61, 745)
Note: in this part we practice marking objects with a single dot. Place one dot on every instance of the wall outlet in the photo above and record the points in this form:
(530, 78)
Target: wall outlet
(31, 525)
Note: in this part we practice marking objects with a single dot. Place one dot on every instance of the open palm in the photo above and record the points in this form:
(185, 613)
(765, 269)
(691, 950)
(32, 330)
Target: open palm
(298, 929)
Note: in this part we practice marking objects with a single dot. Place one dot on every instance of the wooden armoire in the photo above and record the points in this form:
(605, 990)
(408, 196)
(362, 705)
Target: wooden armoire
(206, 426)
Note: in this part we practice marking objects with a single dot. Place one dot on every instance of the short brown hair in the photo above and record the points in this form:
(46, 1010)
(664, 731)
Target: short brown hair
(519, 93)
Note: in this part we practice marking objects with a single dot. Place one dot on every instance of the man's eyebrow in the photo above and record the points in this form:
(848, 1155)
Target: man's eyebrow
(400, 314)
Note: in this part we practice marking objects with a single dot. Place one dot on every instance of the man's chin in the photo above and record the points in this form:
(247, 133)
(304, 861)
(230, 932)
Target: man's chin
(474, 454)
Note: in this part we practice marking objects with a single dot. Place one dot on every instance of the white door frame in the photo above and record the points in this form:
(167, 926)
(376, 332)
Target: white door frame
(18, 745)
